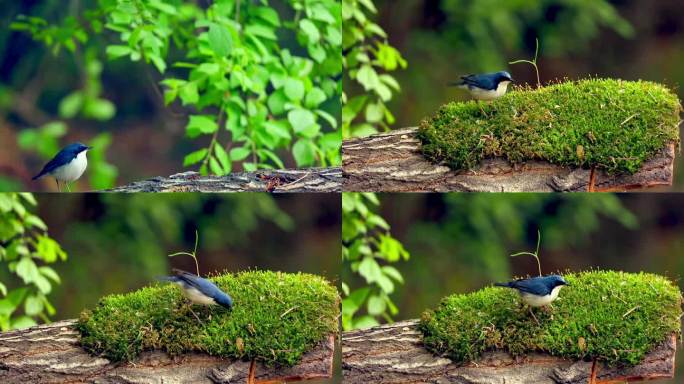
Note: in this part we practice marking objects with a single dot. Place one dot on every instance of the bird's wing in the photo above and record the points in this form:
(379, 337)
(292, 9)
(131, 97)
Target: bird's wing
(201, 284)
(533, 286)
(480, 81)
(61, 158)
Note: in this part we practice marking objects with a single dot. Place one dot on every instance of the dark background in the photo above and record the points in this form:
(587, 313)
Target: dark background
(460, 242)
(444, 39)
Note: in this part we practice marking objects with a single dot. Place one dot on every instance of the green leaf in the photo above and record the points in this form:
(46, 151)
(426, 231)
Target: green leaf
(3, 289)
(201, 124)
(301, 119)
(27, 270)
(70, 105)
(309, 29)
(116, 51)
(215, 167)
(33, 305)
(294, 89)
(22, 322)
(223, 158)
(220, 40)
(195, 157)
(99, 109)
(188, 93)
(314, 98)
(50, 274)
(239, 154)
(376, 305)
(304, 152)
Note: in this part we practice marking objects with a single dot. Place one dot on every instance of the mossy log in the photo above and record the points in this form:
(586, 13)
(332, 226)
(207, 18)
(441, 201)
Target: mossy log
(392, 162)
(51, 354)
(277, 181)
(395, 354)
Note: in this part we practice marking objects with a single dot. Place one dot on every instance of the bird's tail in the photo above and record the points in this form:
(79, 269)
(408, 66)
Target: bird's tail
(507, 285)
(38, 176)
(171, 279)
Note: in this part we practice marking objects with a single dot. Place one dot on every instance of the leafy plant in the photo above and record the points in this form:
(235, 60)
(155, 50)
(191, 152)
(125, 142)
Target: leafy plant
(532, 62)
(227, 65)
(24, 245)
(366, 244)
(193, 254)
(535, 254)
(367, 57)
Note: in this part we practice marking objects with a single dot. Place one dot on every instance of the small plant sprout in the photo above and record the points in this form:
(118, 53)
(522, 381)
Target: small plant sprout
(193, 254)
(535, 254)
(533, 62)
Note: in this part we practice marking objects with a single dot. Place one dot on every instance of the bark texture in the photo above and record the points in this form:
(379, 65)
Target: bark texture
(277, 181)
(392, 162)
(51, 354)
(395, 354)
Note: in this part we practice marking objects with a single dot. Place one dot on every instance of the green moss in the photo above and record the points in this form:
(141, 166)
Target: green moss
(611, 124)
(276, 318)
(612, 316)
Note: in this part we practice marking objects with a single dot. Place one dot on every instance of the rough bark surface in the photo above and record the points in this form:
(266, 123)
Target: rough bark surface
(276, 181)
(392, 162)
(395, 354)
(51, 354)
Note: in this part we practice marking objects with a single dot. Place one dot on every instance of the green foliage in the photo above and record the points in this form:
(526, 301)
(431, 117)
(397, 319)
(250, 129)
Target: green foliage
(226, 64)
(611, 124)
(368, 56)
(367, 249)
(24, 246)
(615, 317)
(276, 318)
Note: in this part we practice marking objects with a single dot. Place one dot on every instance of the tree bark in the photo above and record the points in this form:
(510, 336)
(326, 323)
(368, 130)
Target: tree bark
(51, 354)
(395, 354)
(277, 181)
(392, 162)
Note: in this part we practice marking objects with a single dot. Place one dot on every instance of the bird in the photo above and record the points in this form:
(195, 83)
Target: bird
(67, 165)
(487, 86)
(199, 290)
(537, 291)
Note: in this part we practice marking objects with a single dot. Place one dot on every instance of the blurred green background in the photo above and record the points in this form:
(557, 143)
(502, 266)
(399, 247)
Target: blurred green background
(117, 243)
(444, 39)
(461, 242)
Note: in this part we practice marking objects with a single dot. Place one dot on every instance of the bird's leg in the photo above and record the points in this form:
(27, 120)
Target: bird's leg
(67, 186)
(533, 316)
(57, 181)
(194, 314)
(482, 110)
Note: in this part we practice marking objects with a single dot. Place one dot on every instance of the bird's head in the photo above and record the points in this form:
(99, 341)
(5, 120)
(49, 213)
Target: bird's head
(503, 76)
(224, 301)
(77, 148)
(554, 281)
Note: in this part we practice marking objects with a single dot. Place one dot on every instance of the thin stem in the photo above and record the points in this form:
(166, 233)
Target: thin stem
(535, 254)
(193, 254)
(237, 11)
(214, 138)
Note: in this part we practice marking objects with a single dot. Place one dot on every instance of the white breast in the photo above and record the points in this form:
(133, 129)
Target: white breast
(196, 297)
(540, 301)
(72, 170)
(482, 94)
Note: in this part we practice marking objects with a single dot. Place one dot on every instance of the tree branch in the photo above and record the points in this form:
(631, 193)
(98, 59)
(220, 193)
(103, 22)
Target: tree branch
(51, 354)
(395, 354)
(392, 162)
(283, 180)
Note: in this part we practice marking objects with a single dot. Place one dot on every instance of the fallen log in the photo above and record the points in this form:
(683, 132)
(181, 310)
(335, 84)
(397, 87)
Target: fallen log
(277, 181)
(395, 354)
(51, 354)
(392, 162)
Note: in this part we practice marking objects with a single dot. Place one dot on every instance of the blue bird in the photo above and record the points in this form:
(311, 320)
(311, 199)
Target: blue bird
(488, 86)
(199, 290)
(537, 291)
(68, 165)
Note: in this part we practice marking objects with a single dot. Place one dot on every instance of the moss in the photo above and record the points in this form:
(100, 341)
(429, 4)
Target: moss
(612, 316)
(276, 318)
(611, 124)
